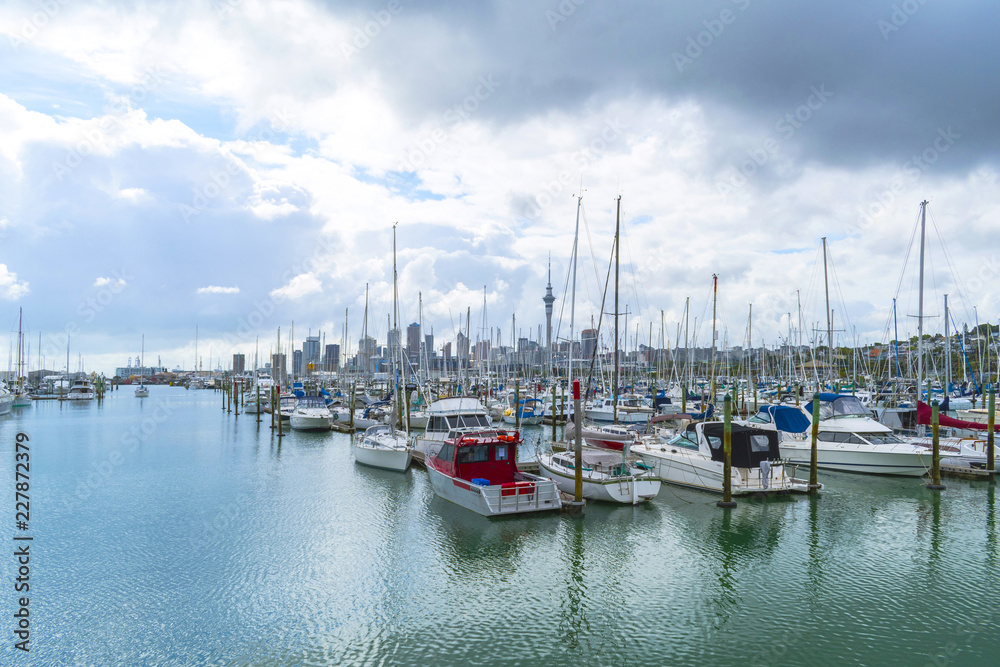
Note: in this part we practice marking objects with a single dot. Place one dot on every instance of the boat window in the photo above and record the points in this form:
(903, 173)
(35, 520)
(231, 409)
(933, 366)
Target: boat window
(881, 438)
(501, 454)
(476, 454)
(684, 443)
(714, 442)
(760, 418)
(438, 424)
(760, 443)
(848, 406)
(827, 436)
(446, 453)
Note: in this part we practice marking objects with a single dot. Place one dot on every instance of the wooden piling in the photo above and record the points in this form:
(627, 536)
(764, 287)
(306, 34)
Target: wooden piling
(814, 484)
(576, 507)
(935, 484)
(991, 421)
(727, 451)
(553, 412)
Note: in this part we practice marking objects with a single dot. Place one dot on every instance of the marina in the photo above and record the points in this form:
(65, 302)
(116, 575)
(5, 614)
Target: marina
(150, 507)
(536, 334)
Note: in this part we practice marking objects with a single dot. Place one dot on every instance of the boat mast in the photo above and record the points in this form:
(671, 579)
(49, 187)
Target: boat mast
(947, 352)
(572, 300)
(920, 305)
(829, 323)
(614, 373)
(715, 293)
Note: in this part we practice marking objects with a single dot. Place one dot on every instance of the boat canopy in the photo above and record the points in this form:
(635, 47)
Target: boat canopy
(838, 405)
(784, 417)
(750, 446)
(310, 402)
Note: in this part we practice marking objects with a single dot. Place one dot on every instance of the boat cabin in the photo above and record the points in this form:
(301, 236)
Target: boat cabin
(486, 459)
(749, 446)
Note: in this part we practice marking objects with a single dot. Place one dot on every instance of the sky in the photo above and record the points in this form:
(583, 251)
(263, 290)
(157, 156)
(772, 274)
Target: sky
(233, 166)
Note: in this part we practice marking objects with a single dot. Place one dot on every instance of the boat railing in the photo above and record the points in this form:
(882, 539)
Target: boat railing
(525, 493)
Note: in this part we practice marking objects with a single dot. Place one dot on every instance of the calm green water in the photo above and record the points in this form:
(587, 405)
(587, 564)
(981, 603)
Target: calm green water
(168, 533)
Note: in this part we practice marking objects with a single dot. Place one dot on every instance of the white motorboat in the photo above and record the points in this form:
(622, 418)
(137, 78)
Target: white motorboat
(530, 411)
(311, 414)
(479, 472)
(382, 447)
(630, 409)
(695, 458)
(6, 398)
(449, 418)
(82, 390)
(849, 438)
(607, 476)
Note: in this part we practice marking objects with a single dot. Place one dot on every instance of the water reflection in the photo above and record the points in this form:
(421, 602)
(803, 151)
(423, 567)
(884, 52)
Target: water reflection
(573, 621)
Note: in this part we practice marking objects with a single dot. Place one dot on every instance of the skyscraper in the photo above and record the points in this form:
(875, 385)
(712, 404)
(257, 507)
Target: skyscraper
(310, 350)
(331, 358)
(549, 299)
(413, 343)
(239, 363)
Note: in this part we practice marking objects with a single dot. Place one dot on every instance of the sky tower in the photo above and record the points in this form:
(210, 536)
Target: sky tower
(549, 300)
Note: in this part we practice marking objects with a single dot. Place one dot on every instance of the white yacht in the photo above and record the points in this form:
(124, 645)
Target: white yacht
(311, 414)
(82, 390)
(631, 409)
(849, 438)
(382, 447)
(6, 398)
(695, 458)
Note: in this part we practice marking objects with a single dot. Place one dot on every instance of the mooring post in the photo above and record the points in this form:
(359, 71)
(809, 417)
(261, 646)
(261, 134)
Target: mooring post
(991, 421)
(813, 453)
(935, 484)
(517, 404)
(552, 412)
(684, 399)
(727, 451)
(577, 505)
(274, 404)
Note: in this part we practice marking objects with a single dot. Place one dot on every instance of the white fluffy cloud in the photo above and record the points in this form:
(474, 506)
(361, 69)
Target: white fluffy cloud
(10, 287)
(215, 289)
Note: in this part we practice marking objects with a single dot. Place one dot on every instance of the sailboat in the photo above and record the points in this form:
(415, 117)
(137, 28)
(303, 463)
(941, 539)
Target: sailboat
(607, 476)
(382, 446)
(142, 391)
(21, 399)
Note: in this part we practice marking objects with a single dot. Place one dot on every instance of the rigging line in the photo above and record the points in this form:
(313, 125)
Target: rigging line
(840, 293)
(906, 258)
(600, 319)
(960, 284)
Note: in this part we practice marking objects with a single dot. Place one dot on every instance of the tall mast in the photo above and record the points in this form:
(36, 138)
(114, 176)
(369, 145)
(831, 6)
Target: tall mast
(572, 299)
(715, 294)
(829, 323)
(614, 373)
(920, 305)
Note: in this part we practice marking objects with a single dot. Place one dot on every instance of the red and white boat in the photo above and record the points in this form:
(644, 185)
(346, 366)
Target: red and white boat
(480, 473)
(605, 436)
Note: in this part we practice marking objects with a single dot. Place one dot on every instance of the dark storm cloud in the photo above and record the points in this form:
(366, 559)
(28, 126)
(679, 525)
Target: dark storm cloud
(894, 73)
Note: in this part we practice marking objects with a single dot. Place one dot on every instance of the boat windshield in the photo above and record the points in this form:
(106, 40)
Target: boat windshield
(683, 442)
(844, 406)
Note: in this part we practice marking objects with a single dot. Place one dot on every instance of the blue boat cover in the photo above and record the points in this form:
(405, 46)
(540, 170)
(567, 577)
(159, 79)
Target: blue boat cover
(786, 418)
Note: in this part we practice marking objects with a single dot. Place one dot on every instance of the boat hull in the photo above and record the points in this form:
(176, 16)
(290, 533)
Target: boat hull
(624, 490)
(542, 495)
(897, 463)
(698, 472)
(310, 423)
(382, 457)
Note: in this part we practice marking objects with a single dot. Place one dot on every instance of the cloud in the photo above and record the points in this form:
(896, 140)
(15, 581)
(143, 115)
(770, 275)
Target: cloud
(10, 288)
(215, 289)
(298, 287)
(113, 283)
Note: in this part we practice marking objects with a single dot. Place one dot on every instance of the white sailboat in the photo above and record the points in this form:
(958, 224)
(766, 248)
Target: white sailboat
(382, 446)
(607, 476)
(142, 391)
